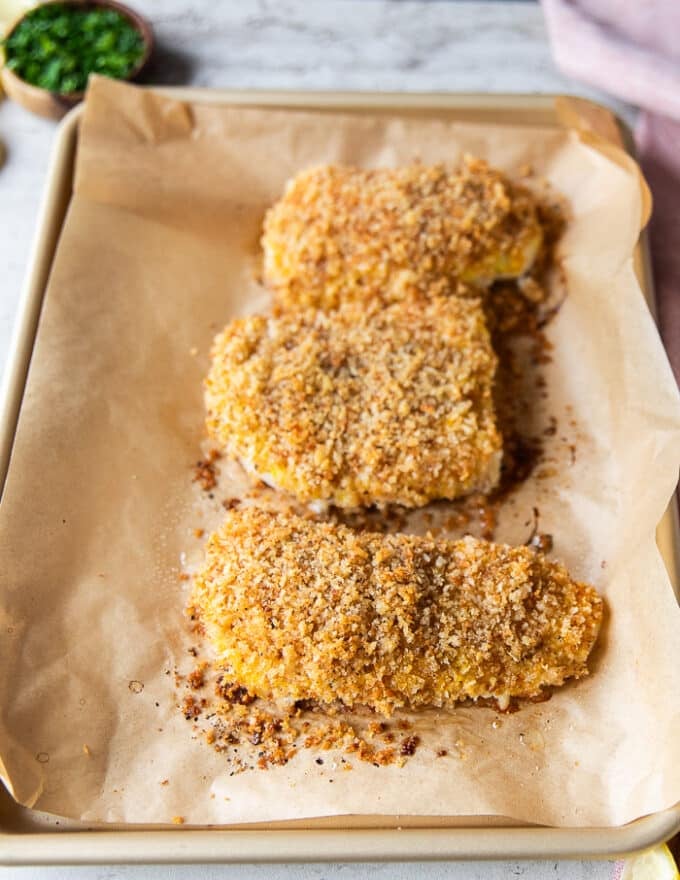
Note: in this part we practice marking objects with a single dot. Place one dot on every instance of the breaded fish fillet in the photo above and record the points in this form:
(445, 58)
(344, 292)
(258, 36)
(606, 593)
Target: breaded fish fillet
(367, 405)
(341, 233)
(302, 610)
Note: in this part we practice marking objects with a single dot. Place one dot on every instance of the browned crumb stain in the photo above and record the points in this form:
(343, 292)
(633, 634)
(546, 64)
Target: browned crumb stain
(196, 626)
(492, 703)
(441, 753)
(551, 430)
(368, 753)
(192, 708)
(86, 750)
(233, 693)
(516, 313)
(198, 533)
(196, 678)
(251, 733)
(389, 519)
(136, 686)
(165, 782)
(540, 541)
(409, 745)
(376, 727)
(184, 576)
(231, 503)
(384, 757)
(205, 470)
(543, 697)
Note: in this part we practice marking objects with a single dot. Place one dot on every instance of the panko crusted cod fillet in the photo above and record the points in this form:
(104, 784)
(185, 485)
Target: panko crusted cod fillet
(366, 405)
(301, 610)
(342, 233)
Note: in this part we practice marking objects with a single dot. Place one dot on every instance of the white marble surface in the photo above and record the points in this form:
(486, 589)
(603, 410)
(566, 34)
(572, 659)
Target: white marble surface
(435, 45)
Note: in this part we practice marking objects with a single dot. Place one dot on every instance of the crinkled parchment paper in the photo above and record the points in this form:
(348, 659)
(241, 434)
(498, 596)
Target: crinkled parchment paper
(158, 251)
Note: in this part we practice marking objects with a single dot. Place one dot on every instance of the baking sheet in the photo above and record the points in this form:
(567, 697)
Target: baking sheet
(157, 220)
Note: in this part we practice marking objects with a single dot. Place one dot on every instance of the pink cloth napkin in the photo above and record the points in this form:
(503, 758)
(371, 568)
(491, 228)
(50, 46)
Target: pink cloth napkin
(631, 48)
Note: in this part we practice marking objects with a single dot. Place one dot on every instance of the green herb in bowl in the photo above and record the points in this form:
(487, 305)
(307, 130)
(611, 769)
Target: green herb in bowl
(56, 46)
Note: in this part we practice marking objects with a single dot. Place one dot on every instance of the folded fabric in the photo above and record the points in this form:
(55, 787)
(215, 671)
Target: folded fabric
(633, 51)
(658, 140)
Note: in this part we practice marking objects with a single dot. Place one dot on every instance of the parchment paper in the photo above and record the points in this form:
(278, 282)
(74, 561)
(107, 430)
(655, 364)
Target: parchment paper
(157, 253)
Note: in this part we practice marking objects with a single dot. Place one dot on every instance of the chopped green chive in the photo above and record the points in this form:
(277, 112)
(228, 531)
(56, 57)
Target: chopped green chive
(56, 46)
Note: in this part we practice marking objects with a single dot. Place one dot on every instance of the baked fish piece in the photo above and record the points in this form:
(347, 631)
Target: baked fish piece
(367, 405)
(342, 233)
(301, 610)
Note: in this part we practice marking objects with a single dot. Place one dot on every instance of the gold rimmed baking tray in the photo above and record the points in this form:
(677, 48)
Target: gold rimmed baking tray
(29, 837)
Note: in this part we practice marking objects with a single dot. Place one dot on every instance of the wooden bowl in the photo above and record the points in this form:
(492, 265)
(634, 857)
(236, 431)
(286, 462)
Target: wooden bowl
(54, 105)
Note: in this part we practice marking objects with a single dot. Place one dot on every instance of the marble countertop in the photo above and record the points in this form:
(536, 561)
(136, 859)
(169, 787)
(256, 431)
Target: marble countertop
(401, 45)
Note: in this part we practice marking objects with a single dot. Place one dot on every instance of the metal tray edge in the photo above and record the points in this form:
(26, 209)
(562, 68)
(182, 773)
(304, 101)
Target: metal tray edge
(233, 845)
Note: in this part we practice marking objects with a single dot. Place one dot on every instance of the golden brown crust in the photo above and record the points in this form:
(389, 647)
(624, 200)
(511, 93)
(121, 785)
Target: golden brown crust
(301, 610)
(362, 406)
(342, 233)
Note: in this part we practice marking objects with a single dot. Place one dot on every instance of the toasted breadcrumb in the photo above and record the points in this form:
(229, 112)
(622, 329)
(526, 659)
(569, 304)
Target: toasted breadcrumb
(342, 233)
(205, 471)
(362, 406)
(301, 610)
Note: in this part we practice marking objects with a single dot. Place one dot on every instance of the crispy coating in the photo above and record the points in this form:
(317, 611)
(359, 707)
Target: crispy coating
(301, 610)
(341, 233)
(362, 406)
